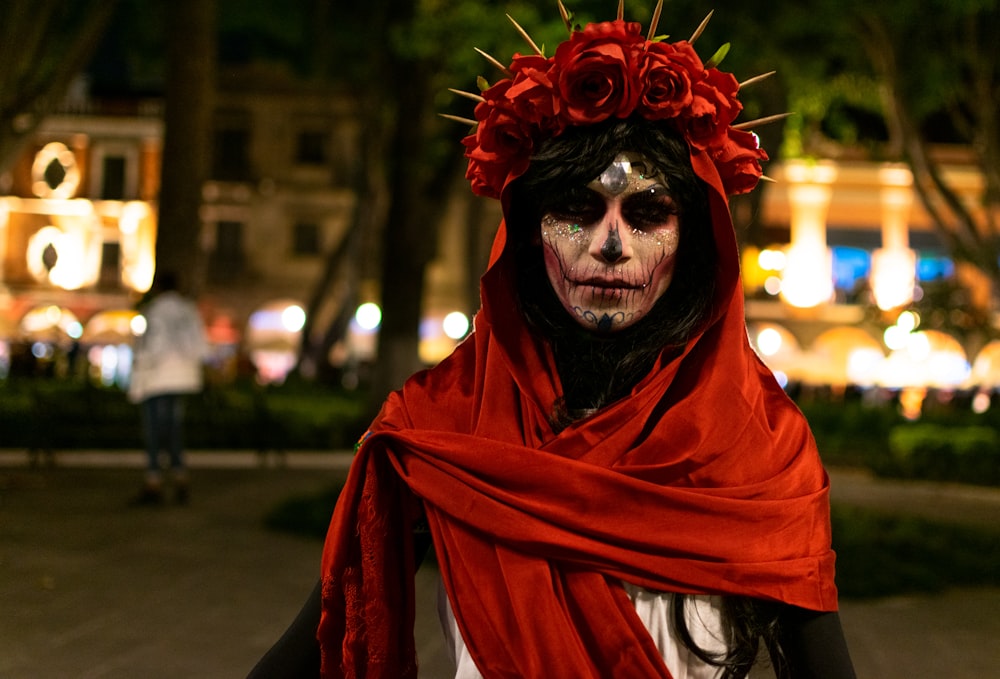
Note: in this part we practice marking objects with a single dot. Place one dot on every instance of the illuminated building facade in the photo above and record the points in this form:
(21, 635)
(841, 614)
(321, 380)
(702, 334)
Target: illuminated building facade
(78, 227)
(831, 304)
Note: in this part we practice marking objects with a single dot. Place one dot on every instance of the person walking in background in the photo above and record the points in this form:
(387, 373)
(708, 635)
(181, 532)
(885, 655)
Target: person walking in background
(167, 366)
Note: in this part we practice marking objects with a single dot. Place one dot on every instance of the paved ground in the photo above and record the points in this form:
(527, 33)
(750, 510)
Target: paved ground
(92, 589)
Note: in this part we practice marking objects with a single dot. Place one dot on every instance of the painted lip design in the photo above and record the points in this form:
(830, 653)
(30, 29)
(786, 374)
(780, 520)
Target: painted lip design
(607, 283)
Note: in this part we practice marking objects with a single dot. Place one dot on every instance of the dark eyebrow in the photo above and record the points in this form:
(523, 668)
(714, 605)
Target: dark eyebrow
(658, 190)
(571, 197)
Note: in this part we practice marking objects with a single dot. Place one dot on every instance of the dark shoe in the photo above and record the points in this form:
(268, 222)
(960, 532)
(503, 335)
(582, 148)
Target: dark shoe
(147, 497)
(182, 494)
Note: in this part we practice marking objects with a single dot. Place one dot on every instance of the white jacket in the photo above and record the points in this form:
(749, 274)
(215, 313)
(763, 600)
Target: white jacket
(169, 356)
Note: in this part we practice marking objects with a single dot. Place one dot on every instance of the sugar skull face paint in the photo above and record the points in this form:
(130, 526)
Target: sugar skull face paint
(610, 246)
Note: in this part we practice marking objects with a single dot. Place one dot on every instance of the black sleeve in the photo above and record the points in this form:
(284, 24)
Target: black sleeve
(813, 646)
(296, 654)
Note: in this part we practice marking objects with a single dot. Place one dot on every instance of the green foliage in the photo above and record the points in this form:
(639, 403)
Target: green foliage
(948, 443)
(969, 454)
(948, 305)
(827, 104)
(132, 55)
(40, 414)
(813, 45)
(719, 55)
(306, 515)
(64, 415)
(850, 432)
(881, 555)
(941, 44)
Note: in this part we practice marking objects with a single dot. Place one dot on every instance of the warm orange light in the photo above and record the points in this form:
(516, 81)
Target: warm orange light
(807, 280)
(894, 266)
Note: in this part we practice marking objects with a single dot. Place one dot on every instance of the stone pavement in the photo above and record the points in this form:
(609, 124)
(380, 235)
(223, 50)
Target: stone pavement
(93, 589)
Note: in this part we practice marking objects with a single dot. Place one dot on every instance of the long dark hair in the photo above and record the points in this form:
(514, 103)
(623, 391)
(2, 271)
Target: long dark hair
(596, 369)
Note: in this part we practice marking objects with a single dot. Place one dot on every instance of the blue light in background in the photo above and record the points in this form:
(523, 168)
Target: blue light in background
(934, 267)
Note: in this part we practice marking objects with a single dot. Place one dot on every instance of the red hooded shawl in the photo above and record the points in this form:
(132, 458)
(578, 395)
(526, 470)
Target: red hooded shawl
(704, 480)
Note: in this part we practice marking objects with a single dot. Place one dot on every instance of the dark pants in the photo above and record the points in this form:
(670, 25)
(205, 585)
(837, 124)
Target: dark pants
(163, 429)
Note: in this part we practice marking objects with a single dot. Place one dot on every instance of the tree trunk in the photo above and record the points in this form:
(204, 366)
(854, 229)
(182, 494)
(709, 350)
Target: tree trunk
(409, 240)
(190, 90)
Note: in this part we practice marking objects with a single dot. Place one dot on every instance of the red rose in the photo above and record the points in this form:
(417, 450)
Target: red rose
(511, 113)
(481, 179)
(713, 107)
(726, 88)
(501, 142)
(503, 133)
(738, 161)
(486, 172)
(594, 72)
(667, 70)
(531, 94)
(501, 130)
(609, 70)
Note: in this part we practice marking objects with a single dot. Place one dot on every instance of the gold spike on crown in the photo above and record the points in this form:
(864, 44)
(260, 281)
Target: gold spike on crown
(610, 70)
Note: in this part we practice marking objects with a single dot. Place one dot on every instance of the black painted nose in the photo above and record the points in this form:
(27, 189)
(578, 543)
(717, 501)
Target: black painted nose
(612, 248)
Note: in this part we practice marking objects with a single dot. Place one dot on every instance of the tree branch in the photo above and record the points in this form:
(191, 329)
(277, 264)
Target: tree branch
(958, 227)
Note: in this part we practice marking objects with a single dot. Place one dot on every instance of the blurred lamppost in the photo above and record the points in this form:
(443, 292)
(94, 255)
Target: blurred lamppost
(894, 265)
(807, 280)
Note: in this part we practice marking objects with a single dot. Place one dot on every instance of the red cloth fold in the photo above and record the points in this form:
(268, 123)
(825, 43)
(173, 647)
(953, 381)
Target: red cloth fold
(705, 479)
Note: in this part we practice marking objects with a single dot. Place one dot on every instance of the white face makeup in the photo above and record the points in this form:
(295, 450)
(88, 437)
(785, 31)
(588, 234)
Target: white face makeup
(609, 246)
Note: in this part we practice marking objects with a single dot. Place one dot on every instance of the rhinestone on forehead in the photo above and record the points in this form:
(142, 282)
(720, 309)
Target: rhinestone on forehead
(628, 169)
(615, 178)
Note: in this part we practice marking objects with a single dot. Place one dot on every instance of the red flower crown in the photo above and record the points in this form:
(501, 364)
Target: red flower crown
(609, 70)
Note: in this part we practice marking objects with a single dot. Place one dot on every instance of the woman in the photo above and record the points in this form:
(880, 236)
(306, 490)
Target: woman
(615, 486)
(168, 367)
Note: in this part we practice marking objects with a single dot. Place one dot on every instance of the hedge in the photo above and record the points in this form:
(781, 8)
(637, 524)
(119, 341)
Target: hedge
(39, 414)
(969, 454)
(949, 443)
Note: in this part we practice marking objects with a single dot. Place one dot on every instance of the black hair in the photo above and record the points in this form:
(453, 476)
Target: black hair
(747, 624)
(598, 368)
(166, 281)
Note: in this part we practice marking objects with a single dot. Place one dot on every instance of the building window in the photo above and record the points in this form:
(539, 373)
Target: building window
(114, 171)
(231, 154)
(110, 274)
(305, 239)
(228, 260)
(113, 178)
(310, 148)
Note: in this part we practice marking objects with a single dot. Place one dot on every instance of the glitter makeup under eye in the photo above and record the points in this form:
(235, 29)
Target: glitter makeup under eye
(554, 227)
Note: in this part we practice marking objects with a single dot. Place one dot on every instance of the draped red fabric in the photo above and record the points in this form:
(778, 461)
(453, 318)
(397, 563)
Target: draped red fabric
(705, 479)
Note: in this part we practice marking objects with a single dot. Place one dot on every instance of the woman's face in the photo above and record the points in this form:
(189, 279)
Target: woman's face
(609, 246)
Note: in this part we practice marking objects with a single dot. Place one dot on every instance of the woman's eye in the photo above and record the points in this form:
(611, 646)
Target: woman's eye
(649, 209)
(581, 206)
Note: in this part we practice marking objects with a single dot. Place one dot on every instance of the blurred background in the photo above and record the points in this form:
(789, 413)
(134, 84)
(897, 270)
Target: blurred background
(289, 160)
(287, 157)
